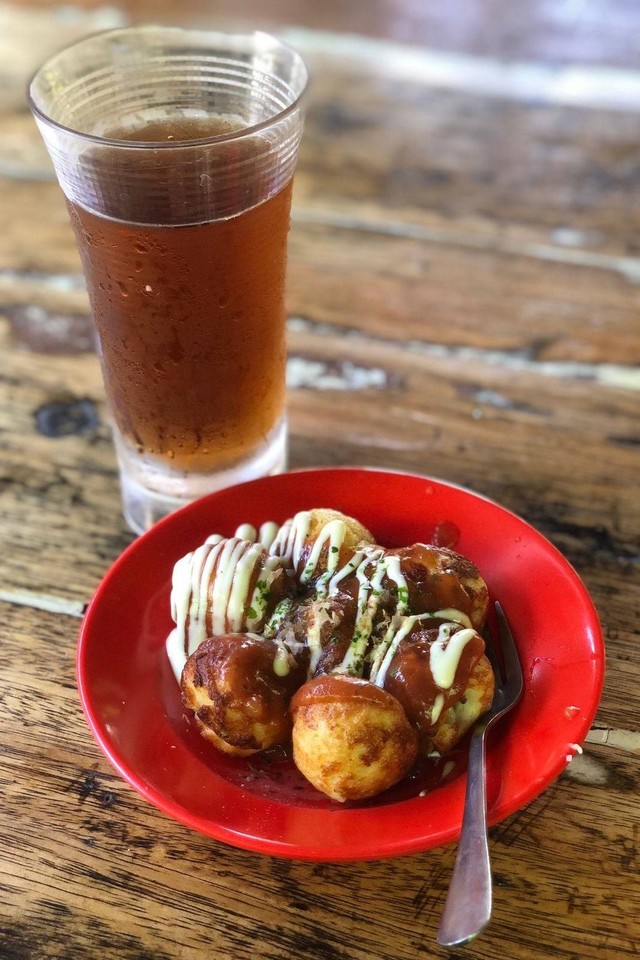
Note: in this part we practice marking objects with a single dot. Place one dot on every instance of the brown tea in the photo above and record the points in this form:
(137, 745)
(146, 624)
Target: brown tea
(190, 318)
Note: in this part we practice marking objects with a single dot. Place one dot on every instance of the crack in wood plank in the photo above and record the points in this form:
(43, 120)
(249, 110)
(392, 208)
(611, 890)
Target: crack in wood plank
(609, 374)
(574, 85)
(44, 601)
(60, 282)
(627, 267)
(628, 740)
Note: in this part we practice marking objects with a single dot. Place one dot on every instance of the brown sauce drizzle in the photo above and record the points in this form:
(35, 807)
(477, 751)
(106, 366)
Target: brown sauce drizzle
(336, 688)
(410, 681)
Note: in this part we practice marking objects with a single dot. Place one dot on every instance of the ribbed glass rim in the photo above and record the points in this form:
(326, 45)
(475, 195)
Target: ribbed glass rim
(169, 144)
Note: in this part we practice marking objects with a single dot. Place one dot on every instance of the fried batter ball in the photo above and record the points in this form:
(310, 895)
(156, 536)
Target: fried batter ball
(239, 686)
(365, 657)
(441, 712)
(324, 625)
(319, 541)
(460, 717)
(351, 739)
(440, 579)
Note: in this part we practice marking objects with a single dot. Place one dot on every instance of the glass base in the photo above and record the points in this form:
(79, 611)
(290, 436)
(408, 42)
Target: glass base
(148, 495)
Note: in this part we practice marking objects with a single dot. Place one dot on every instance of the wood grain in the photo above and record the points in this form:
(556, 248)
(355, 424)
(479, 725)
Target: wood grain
(493, 417)
(88, 863)
(463, 301)
(474, 425)
(500, 168)
(434, 289)
(594, 32)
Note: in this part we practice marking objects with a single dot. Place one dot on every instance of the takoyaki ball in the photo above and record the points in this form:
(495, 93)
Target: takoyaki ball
(460, 717)
(440, 579)
(351, 739)
(410, 679)
(226, 586)
(239, 686)
(324, 625)
(319, 541)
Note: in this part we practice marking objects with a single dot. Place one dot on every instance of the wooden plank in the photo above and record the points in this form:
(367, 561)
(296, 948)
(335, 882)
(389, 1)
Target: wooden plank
(453, 159)
(111, 873)
(444, 293)
(434, 291)
(472, 393)
(522, 438)
(491, 389)
(391, 144)
(463, 299)
(593, 32)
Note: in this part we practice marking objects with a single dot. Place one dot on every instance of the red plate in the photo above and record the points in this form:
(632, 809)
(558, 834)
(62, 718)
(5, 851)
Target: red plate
(133, 707)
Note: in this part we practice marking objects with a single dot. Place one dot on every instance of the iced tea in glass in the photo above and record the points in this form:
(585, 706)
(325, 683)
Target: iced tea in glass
(176, 151)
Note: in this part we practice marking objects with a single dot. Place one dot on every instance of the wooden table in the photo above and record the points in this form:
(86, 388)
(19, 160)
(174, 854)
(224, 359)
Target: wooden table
(464, 293)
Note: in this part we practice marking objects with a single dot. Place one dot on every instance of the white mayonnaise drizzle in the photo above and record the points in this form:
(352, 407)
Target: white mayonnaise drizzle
(283, 661)
(314, 643)
(210, 590)
(443, 663)
(246, 531)
(451, 614)
(390, 641)
(232, 566)
(436, 710)
(368, 602)
(332, 584)
(276, 619)
(264, 536)
(445, 653)
(400, 628)
(332, 536)
(290, 539)
(267, 533)
(175, 653)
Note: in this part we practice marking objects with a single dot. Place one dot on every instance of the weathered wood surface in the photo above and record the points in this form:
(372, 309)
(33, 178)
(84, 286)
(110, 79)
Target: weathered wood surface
(593, 31)
(464, 297)
(475, 150)
(89, 870)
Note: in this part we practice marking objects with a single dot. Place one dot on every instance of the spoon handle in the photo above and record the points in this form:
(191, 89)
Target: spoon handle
(468, 906)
